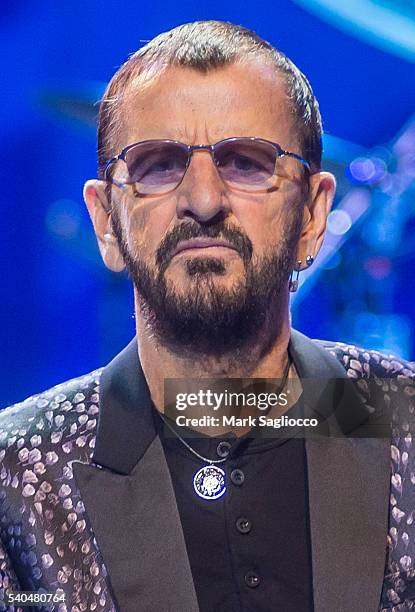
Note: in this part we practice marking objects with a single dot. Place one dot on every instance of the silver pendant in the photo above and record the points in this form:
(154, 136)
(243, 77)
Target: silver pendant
(209, 482)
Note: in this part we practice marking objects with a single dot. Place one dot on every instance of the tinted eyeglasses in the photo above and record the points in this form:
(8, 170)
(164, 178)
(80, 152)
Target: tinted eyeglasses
(158, 166)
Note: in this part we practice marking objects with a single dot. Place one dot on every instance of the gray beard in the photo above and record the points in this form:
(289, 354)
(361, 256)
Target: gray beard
(211, 320)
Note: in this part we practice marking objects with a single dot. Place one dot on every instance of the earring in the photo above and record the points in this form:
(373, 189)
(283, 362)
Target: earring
(109, 238)
(309, 260)
(293, 284)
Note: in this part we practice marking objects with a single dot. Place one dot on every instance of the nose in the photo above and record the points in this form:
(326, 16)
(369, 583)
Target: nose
(202, 194)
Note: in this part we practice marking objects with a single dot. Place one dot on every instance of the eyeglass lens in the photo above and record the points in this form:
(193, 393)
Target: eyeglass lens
(159, 167)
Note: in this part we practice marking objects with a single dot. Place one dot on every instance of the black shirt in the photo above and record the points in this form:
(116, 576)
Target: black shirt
(249, 550)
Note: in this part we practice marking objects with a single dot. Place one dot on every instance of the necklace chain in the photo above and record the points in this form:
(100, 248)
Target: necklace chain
(192, 450)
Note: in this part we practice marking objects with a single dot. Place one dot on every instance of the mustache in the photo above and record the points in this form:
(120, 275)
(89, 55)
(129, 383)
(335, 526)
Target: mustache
(189, 230)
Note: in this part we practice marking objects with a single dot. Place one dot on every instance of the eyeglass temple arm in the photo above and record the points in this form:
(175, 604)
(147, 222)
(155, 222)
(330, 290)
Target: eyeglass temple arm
(298, 157)
(111, 179)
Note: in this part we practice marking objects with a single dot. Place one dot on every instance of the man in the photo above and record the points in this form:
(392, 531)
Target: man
(211, 194)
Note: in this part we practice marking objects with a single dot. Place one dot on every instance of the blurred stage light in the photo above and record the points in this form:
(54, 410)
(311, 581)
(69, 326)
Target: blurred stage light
(367, 170)
(390, 333)
(339, 222)
(333, 262)
(388, 184)
(63, 218)
(388, 24)
(378, 267)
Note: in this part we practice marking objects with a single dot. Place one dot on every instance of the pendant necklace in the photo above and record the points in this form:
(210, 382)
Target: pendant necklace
(209, 481)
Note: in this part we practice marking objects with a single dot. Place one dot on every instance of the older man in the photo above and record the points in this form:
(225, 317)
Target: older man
(211, 195)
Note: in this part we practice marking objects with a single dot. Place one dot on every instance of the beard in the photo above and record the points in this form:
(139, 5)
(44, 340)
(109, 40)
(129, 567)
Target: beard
(211, 319)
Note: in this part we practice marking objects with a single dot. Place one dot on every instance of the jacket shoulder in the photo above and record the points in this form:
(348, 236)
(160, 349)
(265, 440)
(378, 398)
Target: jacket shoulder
(360, 362)
(67, 411)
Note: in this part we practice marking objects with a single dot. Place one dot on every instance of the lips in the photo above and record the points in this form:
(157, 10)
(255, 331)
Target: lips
(201, 243)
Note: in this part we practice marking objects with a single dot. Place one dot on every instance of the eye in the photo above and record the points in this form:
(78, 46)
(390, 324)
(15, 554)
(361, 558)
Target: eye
(246, 161)
(156, 166)
(164, 165)
(245, 164)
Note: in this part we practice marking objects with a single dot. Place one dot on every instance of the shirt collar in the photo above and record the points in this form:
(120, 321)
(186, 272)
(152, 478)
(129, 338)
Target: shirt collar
(126, 426)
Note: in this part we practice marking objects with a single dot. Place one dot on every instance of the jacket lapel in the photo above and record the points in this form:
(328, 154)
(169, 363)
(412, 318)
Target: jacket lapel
(129, 498)
(348, 481)
(130, 502)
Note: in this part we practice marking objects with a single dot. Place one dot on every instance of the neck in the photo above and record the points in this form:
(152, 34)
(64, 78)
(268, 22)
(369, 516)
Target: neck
(265, 357)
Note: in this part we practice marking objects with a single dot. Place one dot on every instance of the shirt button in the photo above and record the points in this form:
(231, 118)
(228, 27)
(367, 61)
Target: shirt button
(237, 477)
(252, 579)
(223, 449)
(243, 525)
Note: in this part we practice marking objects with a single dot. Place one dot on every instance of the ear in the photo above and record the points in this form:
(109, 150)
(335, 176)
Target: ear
(100, 212)
(321, 194)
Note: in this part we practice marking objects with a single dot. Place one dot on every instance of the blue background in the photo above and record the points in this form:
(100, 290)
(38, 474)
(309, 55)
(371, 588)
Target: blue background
(62, 313)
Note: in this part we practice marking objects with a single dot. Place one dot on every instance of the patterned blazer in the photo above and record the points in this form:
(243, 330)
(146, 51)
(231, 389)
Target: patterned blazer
(88, 508)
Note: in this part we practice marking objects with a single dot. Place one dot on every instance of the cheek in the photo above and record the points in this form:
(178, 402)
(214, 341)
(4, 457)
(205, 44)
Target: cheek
(263, 222)
(146, 224)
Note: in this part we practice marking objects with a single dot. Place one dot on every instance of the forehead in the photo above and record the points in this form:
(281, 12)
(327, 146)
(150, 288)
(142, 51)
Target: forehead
(244, 99)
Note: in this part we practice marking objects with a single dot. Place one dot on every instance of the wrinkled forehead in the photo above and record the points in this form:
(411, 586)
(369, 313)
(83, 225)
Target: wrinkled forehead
(181, 103)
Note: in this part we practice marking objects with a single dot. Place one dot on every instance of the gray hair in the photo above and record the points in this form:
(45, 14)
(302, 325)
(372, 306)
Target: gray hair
(204, 46)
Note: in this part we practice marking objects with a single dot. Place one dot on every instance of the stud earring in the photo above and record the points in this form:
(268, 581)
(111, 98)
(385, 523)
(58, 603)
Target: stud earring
(293, 283)
(309, 260)
(109, 238)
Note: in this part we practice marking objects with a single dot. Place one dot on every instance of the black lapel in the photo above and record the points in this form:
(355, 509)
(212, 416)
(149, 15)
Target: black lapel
(129, 498)
(348, 480)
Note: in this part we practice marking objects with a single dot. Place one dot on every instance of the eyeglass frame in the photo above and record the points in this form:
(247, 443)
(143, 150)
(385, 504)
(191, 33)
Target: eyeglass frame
(190, 150)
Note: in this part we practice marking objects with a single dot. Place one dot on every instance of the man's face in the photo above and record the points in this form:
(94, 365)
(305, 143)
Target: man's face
(213, 298)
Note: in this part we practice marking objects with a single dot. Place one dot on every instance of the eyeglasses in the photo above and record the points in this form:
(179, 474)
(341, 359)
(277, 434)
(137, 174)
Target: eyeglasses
(158, 166)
